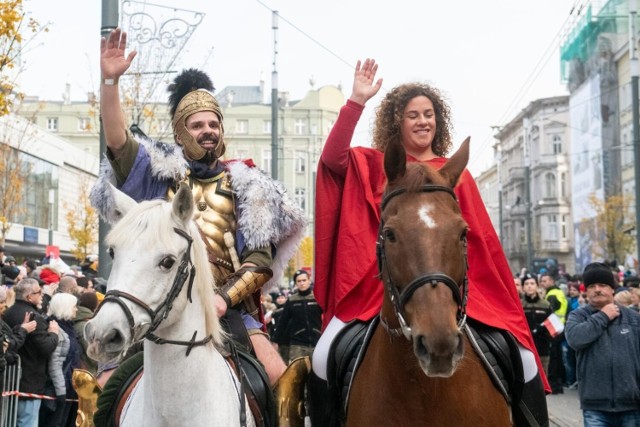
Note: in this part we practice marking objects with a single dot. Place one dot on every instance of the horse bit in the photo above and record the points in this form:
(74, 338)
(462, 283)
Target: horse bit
(161, 313)
(400, 299)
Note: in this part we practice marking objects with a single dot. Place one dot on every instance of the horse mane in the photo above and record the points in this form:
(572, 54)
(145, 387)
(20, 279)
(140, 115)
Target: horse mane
(142, 221)
(416, 175)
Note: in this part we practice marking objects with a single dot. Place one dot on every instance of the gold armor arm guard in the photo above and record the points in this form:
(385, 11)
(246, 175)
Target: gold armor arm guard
(244, 283)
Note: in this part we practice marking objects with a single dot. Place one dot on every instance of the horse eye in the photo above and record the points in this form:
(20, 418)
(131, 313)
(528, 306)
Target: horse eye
(167, 262)
(463, 235)
(389, 235)
(111, 253)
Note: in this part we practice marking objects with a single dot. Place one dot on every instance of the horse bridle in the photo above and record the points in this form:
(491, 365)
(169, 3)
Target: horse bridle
(162, 311)
(400, 299)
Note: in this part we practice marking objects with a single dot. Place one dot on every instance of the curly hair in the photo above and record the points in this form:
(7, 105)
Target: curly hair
(391, 110)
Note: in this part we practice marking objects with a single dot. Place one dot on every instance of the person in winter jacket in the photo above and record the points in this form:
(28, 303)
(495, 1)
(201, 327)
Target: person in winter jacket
(65, 358)
(87, 304)
(536, 310)
(606, 338)
(38, 346)
(11, 338)
(301, 320)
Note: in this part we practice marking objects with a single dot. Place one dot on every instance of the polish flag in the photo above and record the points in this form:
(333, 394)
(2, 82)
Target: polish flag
(554, 325)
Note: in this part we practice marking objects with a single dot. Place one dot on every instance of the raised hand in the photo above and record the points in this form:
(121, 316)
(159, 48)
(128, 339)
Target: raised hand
(364, 87)
(113, 62)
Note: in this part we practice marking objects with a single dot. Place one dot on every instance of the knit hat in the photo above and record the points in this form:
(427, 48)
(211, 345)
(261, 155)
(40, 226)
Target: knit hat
(298, 273)
(89, 300)
(11, 271)
(528, 276)
(598, 273)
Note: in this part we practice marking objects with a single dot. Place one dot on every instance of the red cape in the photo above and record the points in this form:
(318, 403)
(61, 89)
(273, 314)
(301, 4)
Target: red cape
(346, 285)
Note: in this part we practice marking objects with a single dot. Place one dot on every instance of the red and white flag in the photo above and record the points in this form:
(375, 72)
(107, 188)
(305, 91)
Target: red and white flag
(554, 325)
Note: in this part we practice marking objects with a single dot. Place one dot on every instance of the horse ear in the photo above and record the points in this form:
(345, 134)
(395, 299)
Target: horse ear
(395, 161)
(452, 170)
(121, 204)
(183, 203)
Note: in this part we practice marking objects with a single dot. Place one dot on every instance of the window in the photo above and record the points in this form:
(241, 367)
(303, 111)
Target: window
(52, 124)
(84, 124)
(557, 144)
(300, 197)
(34, 209)
(550, 185)
(552, 228)
(522, 233)
(242, 126)
(563, 227)
(266, 126)
(266, 161)
(314, 129)
(301, 127)
(563, 185)
(301, 162)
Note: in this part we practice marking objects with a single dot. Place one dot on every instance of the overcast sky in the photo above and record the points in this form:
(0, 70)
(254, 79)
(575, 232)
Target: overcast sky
(490, 58)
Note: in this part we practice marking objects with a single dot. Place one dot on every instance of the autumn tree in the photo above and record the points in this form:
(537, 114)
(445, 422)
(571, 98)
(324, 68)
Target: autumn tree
(82, 224)
(610, 227)
(17, 32)
(305, 252)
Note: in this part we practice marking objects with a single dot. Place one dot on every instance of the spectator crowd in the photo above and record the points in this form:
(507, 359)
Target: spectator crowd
(44, 305)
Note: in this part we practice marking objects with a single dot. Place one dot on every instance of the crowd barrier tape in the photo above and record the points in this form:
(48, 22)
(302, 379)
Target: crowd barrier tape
(33, 395)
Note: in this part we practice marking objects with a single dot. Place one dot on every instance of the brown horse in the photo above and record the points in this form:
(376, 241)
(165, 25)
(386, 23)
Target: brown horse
(419, 368)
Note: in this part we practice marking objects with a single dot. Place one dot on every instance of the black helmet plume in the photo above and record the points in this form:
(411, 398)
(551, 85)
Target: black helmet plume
(185, 82)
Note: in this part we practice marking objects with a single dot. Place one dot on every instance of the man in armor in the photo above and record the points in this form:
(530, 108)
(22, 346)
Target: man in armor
(248, 224)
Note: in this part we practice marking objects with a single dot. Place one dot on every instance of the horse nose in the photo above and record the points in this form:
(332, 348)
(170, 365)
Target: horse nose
(448, 347)
(114, 340)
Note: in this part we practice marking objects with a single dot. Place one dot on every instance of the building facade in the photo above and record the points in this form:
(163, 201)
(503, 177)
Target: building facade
(58, 172)
(534, 179)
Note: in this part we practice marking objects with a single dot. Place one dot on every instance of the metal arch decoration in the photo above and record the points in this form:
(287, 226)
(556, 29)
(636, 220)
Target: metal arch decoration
(144, 26)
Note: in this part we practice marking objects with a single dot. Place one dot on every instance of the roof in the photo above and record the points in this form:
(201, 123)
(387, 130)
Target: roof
(240, 95)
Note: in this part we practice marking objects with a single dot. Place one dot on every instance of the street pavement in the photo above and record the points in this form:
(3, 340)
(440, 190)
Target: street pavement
(564, 409)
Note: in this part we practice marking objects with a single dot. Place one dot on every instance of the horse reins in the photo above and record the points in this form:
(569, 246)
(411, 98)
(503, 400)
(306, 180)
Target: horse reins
(400, 299)
(162, 311)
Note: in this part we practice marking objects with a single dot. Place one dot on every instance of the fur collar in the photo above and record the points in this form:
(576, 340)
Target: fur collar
(272, 216)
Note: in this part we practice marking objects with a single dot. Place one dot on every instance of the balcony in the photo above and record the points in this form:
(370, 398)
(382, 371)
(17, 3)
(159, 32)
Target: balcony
(516, 174)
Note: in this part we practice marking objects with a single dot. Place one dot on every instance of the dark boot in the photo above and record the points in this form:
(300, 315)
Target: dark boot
(531, 411)
(321, 403)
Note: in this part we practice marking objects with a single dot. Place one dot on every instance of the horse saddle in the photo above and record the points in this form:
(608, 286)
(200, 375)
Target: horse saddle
(499, 353)
(496, 348)
(255, 383)
(346, 352)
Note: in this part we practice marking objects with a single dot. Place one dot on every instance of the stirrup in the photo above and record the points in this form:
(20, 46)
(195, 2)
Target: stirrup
(289, 393)
(86, 386)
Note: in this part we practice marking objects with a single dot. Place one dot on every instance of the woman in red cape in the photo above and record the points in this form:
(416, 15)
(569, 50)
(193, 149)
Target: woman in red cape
(350, 183)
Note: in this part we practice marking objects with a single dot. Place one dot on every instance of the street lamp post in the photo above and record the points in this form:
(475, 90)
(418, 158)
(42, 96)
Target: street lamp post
(52, 199)
(633, 68)
(526, 122)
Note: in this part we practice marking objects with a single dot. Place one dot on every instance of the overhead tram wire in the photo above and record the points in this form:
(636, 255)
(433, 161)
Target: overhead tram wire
(295, 27)
(555, 43)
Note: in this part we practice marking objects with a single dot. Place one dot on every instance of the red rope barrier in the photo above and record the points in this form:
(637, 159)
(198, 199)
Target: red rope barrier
(32, 395)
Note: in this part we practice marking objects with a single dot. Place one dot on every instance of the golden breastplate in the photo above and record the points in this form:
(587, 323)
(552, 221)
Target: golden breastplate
(214, 213)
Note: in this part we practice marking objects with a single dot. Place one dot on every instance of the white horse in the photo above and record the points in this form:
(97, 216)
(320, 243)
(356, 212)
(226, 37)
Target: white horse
(154, 246)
